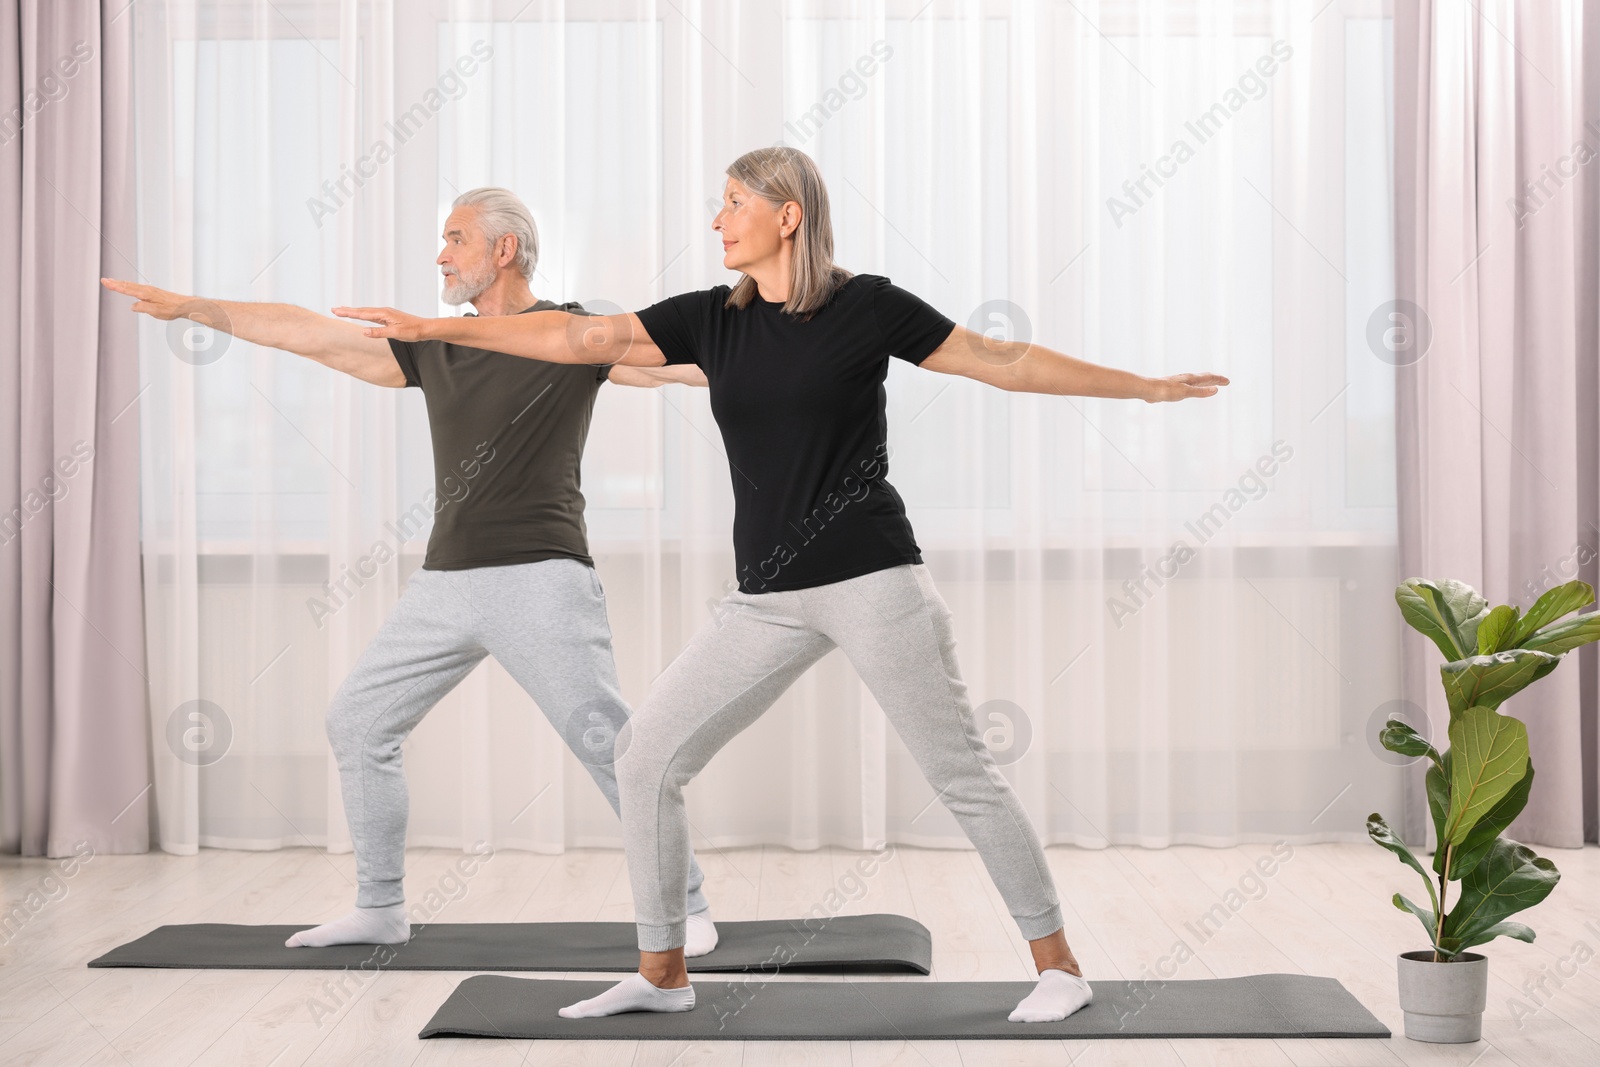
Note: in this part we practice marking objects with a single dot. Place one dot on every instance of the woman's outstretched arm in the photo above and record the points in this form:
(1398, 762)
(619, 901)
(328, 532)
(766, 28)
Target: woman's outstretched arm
(553, 336)
(1020, 367)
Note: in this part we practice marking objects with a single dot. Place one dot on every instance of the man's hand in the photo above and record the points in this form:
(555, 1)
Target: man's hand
(166, 306)
(1183, 387)
(390, 323)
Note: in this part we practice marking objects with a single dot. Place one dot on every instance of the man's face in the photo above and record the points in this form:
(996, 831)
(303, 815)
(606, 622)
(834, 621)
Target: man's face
(467, 259)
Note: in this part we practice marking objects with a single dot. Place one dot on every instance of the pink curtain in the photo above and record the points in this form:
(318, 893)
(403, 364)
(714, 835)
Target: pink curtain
(1497, 167)
(74, 739)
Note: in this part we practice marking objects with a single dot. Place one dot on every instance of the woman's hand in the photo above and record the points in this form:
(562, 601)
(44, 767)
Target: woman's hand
(390, 323)
(1183, 386)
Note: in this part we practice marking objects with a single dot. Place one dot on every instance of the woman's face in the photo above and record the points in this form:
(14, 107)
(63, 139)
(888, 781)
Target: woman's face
(752, 228)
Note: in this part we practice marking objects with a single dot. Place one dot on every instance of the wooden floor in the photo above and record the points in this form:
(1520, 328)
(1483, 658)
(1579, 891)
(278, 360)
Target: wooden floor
(1324, 911)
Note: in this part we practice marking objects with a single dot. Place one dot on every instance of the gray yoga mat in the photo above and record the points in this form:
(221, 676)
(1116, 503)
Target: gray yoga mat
(1258, 1005)
(860, 944)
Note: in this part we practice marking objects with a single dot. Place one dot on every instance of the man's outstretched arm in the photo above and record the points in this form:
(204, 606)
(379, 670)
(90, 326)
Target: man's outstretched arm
(654, 377)
(340, 345)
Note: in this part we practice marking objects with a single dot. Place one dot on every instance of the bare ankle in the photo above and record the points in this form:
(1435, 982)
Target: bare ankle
(1052, 953)
(664, 970)
(666, 978)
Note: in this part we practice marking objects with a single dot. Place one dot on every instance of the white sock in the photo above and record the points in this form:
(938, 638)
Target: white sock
(700, 934)
(364, 926)
(1057, 996)
(634, 993)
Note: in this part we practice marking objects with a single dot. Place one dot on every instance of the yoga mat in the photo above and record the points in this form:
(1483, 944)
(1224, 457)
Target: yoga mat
(1258, 1005)
(859, 944)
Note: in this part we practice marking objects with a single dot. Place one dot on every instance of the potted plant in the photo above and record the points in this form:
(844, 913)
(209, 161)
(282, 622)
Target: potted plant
(1475, 788)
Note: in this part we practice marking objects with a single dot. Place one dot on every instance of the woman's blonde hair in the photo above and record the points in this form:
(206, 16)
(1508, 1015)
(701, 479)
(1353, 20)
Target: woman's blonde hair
(777, 175)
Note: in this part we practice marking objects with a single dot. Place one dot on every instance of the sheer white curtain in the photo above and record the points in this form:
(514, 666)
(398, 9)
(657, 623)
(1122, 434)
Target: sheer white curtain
(1164, 643)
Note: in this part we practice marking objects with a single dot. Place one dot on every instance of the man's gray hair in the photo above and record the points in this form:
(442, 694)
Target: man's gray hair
(500, 212)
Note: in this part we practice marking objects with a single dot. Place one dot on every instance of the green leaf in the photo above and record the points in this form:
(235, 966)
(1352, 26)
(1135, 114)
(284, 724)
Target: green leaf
(1443, 611)
(1510, 879)
(1438, 785)
(1555, 603)
(1481, 839)
(1488, 757)
(1566, 635)
(1491, 680)
(1429, 920)
(1505, 929)
(1469, 610)
(1379, 831)
(1398, 735)
(1495, 627)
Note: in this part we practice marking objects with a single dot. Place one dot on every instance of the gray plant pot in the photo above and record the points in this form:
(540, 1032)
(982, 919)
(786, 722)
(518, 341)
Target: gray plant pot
(1443, 1001)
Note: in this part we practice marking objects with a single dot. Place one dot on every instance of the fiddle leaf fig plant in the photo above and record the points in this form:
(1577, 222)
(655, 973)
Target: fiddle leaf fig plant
(1481, 783)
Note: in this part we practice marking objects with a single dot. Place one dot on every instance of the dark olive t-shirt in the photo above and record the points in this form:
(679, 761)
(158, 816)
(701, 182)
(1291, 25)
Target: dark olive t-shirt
(801, 407)
(508, 436)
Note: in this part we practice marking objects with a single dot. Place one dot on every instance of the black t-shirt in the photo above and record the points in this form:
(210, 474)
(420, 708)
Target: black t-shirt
(801, 409)
(508, 437)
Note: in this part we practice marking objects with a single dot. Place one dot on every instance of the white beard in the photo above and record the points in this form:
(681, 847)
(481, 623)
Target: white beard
(467, 287)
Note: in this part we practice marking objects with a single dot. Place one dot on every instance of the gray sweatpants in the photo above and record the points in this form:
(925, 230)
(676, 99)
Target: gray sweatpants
(546, 624)
(895, 628)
